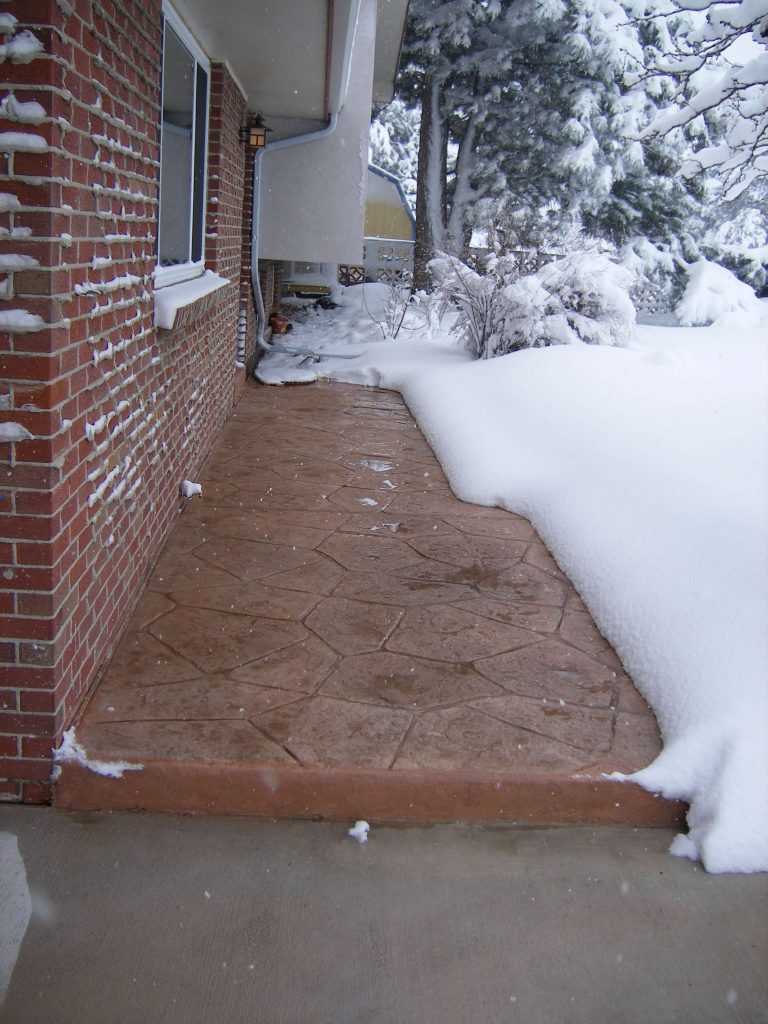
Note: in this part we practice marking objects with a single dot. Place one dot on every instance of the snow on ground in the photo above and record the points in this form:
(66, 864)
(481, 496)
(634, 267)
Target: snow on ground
(645, 471)
(357, 328)
(72, 752)
(714, 293)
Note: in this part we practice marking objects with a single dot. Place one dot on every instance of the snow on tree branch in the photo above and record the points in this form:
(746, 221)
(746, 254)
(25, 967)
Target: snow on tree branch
(716, 54)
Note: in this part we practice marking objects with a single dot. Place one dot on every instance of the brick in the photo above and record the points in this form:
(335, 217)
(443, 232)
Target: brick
(15, 627)
(37, 653)
(44, 395)
(36, 746)
(39, 451)
(29, 769)
(26, 724)
(30, 477)
(36, 792)
(35, 422)
(28, 193)
(23, 578)
(16, 527)
(35, 604)
(30, 554)
(28, 367)
(34, 165)
(36, 701)
(33, 282)
(36, 13)
(24, 675)
(9, 746)
(36, 503)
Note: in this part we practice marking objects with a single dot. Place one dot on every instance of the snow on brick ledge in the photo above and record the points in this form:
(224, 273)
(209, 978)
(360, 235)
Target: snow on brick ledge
(14, 432)
(22, 142)
(20, 321)
(180, 304)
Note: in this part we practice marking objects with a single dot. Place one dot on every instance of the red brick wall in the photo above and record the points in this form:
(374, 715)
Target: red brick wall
(269, 280)
(119, 414)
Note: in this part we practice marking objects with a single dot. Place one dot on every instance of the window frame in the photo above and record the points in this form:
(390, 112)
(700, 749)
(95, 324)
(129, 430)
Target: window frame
(178, 272)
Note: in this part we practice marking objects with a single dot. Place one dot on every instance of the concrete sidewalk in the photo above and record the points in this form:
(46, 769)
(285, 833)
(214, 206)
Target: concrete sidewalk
(164, 919)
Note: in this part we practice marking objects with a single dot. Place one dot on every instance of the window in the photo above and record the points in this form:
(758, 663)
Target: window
(183, 150)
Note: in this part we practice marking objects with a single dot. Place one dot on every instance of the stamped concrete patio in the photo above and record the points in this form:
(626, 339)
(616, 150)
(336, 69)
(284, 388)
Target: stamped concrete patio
(331, 633)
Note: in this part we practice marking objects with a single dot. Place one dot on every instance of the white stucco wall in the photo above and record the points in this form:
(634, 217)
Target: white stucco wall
(313, 194)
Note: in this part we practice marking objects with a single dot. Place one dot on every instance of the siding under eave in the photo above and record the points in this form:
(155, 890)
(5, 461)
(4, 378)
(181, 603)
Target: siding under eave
(313, 194)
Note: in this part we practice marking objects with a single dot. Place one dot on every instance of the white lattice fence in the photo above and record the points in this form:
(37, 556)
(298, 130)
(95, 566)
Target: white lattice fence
(529, 260)
(386, 258)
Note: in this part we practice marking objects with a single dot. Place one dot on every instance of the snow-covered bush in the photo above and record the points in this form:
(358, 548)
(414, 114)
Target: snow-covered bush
(715, 295)
(655, 273)
(430, 309)
(385, 302)
(749, 265)
(582, 298)
(398, 296)
(477, 298)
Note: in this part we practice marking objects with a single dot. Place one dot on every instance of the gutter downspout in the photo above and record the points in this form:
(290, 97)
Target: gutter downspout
(282, 143)
(294, 140)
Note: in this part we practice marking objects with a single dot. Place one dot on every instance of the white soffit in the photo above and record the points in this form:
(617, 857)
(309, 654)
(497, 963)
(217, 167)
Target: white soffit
(313, 193)
(390, 25)
(277, 50)
(345, 15)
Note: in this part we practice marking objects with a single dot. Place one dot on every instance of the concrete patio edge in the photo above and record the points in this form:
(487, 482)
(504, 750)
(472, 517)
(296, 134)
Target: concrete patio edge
(339, 794)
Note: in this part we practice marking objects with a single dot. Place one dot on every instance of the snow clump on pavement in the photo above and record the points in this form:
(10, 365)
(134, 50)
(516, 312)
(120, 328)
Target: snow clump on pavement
(189, 489)
(72, 752)
(359, 831)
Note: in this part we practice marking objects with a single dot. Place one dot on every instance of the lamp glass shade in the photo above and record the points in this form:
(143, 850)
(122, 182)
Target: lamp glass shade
(257, 136)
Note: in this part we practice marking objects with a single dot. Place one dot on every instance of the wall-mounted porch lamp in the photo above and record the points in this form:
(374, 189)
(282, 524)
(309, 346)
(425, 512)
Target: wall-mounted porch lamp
(254, 132)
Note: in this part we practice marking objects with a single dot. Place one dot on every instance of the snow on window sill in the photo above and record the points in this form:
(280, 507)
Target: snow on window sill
(175, 273)
(180, 304)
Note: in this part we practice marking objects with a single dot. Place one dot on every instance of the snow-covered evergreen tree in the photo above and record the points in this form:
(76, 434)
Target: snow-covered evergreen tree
(394, 143)
(715, 52)
(546, 120)
(524, 104)
(736, 235)
(705, 63)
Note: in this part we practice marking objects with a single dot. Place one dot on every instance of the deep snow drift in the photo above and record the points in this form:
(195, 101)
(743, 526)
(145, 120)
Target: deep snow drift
(645, 471)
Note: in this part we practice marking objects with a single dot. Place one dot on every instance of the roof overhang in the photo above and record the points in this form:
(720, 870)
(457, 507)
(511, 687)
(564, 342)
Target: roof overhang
(291, 60)
(390, 26)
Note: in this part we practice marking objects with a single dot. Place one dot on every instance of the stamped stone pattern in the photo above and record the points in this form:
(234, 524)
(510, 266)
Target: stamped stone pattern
(328, 602)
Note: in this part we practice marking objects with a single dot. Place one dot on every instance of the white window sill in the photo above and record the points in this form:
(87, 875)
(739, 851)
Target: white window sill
(173, 302)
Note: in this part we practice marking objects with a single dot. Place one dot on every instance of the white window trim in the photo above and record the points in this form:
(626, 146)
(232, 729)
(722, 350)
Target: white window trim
(184, 34)
(166, 276)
